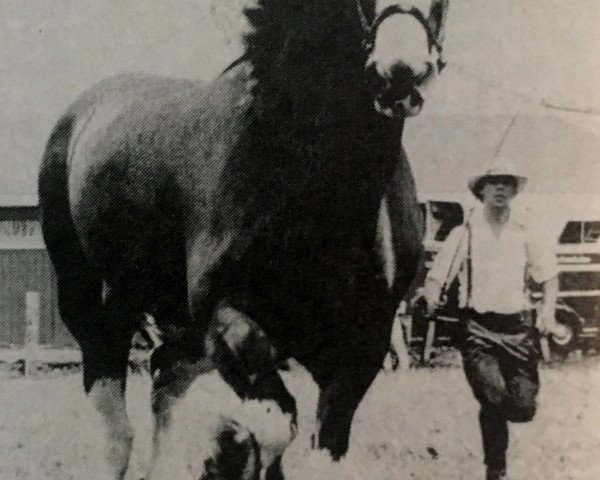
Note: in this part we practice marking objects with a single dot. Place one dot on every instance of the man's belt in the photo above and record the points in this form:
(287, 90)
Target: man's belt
(500, 322)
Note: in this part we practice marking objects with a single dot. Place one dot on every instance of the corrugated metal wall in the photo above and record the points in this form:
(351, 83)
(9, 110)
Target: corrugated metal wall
(22, 271)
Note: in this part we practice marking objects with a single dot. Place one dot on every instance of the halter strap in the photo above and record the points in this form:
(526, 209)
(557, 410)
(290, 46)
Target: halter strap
(371, 29)
(362, 17)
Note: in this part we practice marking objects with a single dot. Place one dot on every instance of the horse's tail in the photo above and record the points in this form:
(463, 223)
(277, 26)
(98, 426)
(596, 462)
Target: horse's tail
(79, 285)
(53, 189)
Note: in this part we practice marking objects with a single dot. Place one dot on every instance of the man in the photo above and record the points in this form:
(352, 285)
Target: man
(492, 255)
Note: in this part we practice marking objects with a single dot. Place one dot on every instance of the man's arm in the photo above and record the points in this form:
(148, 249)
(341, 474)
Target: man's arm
(544, 270)
(546, 317)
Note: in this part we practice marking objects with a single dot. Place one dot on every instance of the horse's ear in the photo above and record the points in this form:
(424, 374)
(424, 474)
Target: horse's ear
(438, 13)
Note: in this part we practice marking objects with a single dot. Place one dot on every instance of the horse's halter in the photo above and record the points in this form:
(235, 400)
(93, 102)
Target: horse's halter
(370, 29)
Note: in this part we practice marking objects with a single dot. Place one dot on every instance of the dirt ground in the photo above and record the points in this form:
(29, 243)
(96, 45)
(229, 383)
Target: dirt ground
(419, 424)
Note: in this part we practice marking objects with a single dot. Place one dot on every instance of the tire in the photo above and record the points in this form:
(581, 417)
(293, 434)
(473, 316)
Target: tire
(563, 346)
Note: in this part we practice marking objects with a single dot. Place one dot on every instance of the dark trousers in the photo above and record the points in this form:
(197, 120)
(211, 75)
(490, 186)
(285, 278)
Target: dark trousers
(500, 354)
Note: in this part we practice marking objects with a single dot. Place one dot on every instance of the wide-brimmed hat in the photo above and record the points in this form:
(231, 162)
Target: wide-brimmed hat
(505, 168)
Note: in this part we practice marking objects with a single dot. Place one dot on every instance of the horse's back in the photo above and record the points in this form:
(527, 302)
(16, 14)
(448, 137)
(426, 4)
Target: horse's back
(159, 118)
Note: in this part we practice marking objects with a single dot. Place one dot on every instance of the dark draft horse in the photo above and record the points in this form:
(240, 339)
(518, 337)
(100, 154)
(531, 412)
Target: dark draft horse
(243, 213)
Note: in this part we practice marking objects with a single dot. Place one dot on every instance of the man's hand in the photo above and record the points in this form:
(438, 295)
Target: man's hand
(547, 325)
(546, 320)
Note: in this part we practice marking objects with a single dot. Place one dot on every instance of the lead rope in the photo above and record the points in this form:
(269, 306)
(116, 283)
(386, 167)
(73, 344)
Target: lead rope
(469, 266)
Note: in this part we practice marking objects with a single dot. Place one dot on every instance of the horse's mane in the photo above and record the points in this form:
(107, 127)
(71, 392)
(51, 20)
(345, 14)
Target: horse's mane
(311, 99)
(296, 44)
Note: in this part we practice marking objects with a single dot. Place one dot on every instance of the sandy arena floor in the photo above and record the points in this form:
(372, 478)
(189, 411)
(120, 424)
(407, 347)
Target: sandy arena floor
(418, 425)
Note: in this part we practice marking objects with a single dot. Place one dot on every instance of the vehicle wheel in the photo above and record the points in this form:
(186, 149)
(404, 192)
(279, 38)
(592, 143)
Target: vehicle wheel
(563, 346)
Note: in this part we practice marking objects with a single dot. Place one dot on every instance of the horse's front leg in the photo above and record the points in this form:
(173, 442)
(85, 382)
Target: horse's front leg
(357, 357)
(243, 442)
(338, 400)
(174, 367)
(244, 358)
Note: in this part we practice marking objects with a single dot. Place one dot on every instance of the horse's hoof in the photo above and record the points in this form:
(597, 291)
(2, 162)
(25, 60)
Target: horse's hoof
(275, 472)
(237, 455)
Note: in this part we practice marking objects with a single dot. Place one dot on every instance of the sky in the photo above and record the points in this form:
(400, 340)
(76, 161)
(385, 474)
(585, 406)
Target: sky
(505, 59)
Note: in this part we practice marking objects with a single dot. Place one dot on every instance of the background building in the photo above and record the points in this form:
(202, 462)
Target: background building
(25, 267)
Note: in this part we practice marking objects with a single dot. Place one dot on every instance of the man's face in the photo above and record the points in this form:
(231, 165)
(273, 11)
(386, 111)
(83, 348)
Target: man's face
(497, 192)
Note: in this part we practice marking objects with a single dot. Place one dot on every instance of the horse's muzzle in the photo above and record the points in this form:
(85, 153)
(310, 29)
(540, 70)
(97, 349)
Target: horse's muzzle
(398, 95)
(388, 103)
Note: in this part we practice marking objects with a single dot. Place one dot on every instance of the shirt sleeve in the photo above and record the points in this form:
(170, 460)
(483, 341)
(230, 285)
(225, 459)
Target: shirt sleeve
(450, 256)
(541, 260)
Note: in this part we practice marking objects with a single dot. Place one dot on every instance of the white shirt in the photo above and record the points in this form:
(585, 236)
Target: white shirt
(499, 264)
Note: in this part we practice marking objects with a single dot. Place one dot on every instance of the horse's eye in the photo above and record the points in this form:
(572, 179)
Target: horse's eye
(268, 409)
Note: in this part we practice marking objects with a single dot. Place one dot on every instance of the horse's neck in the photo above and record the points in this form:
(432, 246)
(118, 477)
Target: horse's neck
(310, 56)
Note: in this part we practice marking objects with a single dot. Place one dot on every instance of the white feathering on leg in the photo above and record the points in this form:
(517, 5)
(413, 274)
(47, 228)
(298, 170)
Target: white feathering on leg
(270, 426)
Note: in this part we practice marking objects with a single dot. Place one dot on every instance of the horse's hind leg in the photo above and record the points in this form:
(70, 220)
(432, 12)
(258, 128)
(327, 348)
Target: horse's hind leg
(104, 336)
(102, 328)
(105, 362)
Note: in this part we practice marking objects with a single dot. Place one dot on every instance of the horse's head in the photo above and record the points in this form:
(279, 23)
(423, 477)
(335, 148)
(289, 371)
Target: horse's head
(404, 44)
